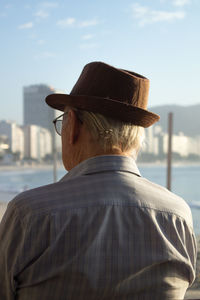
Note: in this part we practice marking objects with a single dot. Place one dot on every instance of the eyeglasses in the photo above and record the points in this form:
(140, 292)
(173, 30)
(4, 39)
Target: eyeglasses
(58, 122)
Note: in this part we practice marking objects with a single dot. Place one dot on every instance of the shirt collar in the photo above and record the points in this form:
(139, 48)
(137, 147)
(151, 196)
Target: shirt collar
(103, 163)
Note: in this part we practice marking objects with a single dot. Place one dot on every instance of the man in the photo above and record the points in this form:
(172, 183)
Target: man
(102, 231)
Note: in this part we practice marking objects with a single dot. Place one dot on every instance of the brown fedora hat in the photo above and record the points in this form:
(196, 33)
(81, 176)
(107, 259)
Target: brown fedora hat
(115, 93)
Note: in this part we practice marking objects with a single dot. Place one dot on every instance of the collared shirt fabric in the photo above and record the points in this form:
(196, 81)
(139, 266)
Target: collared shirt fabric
(101, 232)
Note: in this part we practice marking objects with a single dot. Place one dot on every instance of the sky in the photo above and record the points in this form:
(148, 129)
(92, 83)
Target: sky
(49, 42)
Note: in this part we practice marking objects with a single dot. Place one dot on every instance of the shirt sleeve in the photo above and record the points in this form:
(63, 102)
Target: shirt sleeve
(11, 243)
(191, 246)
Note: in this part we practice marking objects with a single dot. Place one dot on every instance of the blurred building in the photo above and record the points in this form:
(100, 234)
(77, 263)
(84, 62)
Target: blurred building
(180, 144)
(37, 142)
(37, 112)
(15, 137)
(153, 140)
(183, 145)
(156, 143)
(194, 145)
(4, 144)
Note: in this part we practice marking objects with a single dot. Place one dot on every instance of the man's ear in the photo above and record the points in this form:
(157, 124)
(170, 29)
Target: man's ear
(74, 127)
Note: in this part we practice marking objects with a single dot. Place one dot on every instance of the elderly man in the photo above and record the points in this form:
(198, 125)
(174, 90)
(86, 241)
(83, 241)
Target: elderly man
(102, 231)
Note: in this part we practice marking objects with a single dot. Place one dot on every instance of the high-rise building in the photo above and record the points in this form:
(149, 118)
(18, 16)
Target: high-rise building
(37, 112)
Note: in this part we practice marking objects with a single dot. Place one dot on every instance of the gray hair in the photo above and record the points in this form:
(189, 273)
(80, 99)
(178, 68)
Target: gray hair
(112, 135)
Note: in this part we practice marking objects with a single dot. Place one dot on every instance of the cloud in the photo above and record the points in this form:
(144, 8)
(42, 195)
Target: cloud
(49, 4)
(44, 7)
(69, 22)
(41, 14)
(145, 15)
(88, 23)
(66, 22)
(26, 25)
(180, 2)
(87, 37)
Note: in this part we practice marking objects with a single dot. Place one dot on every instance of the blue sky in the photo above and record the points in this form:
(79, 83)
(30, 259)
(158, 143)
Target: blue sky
(50, 42)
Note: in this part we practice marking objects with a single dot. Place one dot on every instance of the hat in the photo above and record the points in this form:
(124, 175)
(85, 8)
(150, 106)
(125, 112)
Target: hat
(112, 92)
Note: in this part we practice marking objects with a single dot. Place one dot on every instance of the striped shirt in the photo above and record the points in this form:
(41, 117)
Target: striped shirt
(101, 232)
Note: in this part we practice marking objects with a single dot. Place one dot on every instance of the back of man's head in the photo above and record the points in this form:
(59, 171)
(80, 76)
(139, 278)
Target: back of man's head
(112, 136)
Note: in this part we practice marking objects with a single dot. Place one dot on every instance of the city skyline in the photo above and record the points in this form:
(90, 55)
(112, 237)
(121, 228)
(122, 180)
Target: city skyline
(31, 141)
(37, 138)
(49, 42)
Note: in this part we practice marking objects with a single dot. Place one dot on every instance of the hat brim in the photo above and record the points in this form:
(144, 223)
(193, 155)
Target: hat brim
(110, 108)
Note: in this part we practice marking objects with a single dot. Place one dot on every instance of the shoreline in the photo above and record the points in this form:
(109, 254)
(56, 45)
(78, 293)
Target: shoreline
(17, 167)
(164, 164)
(6, 168)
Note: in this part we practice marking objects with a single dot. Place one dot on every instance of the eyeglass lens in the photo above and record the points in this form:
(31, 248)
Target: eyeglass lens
(59, 126)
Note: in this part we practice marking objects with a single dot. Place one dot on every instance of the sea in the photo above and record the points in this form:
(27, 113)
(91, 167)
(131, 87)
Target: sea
(185, 182)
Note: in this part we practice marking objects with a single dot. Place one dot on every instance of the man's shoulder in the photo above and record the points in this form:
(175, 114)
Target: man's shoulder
(36, 200)
(161, 199)
(148, 193)
(123, 188)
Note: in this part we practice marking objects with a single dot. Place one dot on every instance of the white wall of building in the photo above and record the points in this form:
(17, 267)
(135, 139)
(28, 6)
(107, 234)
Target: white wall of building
(194, 145)
(38, 142)
(18, 141)
(180, 144)
(45, 141)
(151, 144)
(183, 145)
(15, 136)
